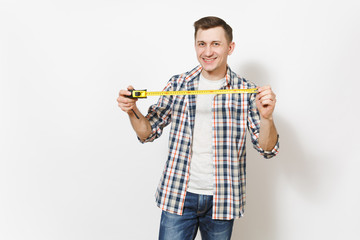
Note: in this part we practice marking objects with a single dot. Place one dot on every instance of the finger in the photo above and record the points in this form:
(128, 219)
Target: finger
(267, 93)
(263, 93)
(126, 100)
(263, 88)
(267, 97)
(126, 107)
(124, 92)
(268, 102)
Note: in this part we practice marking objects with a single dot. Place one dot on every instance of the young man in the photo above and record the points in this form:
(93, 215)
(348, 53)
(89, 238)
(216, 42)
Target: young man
(203, 184)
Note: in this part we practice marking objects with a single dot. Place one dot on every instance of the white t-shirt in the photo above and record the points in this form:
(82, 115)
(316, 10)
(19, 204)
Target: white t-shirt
(201, 166)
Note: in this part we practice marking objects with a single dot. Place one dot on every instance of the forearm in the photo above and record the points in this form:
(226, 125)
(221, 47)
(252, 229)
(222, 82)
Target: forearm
(268, 134)
(140, 124)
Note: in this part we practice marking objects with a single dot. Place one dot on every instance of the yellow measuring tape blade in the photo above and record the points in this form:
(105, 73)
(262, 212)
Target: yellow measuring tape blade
(144, 93)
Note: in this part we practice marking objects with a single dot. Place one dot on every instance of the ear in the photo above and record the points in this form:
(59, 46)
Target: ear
(231, 48)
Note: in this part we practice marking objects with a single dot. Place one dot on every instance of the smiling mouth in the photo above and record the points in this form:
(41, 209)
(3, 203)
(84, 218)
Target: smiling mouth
(209, 59)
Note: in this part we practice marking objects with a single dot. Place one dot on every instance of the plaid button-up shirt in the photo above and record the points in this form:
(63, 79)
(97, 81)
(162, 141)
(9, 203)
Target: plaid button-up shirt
(232, 115)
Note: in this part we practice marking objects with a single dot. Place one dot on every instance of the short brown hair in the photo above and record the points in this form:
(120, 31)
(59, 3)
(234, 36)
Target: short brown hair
(212, 22)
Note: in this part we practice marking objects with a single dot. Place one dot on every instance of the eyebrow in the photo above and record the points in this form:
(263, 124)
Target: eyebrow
(199, 41)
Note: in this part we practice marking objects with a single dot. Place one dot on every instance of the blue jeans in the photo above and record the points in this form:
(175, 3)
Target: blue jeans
(197, 213)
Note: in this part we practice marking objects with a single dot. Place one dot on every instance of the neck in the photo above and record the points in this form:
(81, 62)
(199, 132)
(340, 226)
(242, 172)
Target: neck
(214, 75)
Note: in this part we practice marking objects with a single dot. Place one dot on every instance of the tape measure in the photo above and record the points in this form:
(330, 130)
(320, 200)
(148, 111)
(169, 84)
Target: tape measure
(145, 93)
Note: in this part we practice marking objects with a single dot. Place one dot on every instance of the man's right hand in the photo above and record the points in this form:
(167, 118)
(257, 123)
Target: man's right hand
(140, 124)
(126, 104)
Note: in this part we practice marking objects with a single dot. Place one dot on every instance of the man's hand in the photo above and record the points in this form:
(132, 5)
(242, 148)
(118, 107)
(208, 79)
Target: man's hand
(140, 124)
(126, 104)
(265, 102)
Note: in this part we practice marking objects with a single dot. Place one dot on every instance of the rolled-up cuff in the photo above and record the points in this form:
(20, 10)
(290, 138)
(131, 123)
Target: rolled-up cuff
(273, 152)
(153, 135)
(150, 138)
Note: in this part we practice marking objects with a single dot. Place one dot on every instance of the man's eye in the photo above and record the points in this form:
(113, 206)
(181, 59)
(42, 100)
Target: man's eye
(216, 44)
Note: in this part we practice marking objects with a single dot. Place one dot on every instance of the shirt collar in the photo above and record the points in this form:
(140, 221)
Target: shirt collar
(193, 74)
(229, 78)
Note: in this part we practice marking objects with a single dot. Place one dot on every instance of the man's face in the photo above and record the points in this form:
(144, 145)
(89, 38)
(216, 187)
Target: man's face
(212, 49)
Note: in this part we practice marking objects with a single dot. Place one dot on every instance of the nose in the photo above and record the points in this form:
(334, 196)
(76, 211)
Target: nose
(208, 51)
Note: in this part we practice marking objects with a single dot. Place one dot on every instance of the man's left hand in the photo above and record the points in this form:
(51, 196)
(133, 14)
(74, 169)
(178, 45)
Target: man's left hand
(265, 102)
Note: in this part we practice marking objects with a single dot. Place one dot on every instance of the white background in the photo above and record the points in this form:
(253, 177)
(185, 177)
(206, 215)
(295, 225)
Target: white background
(70, 164)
